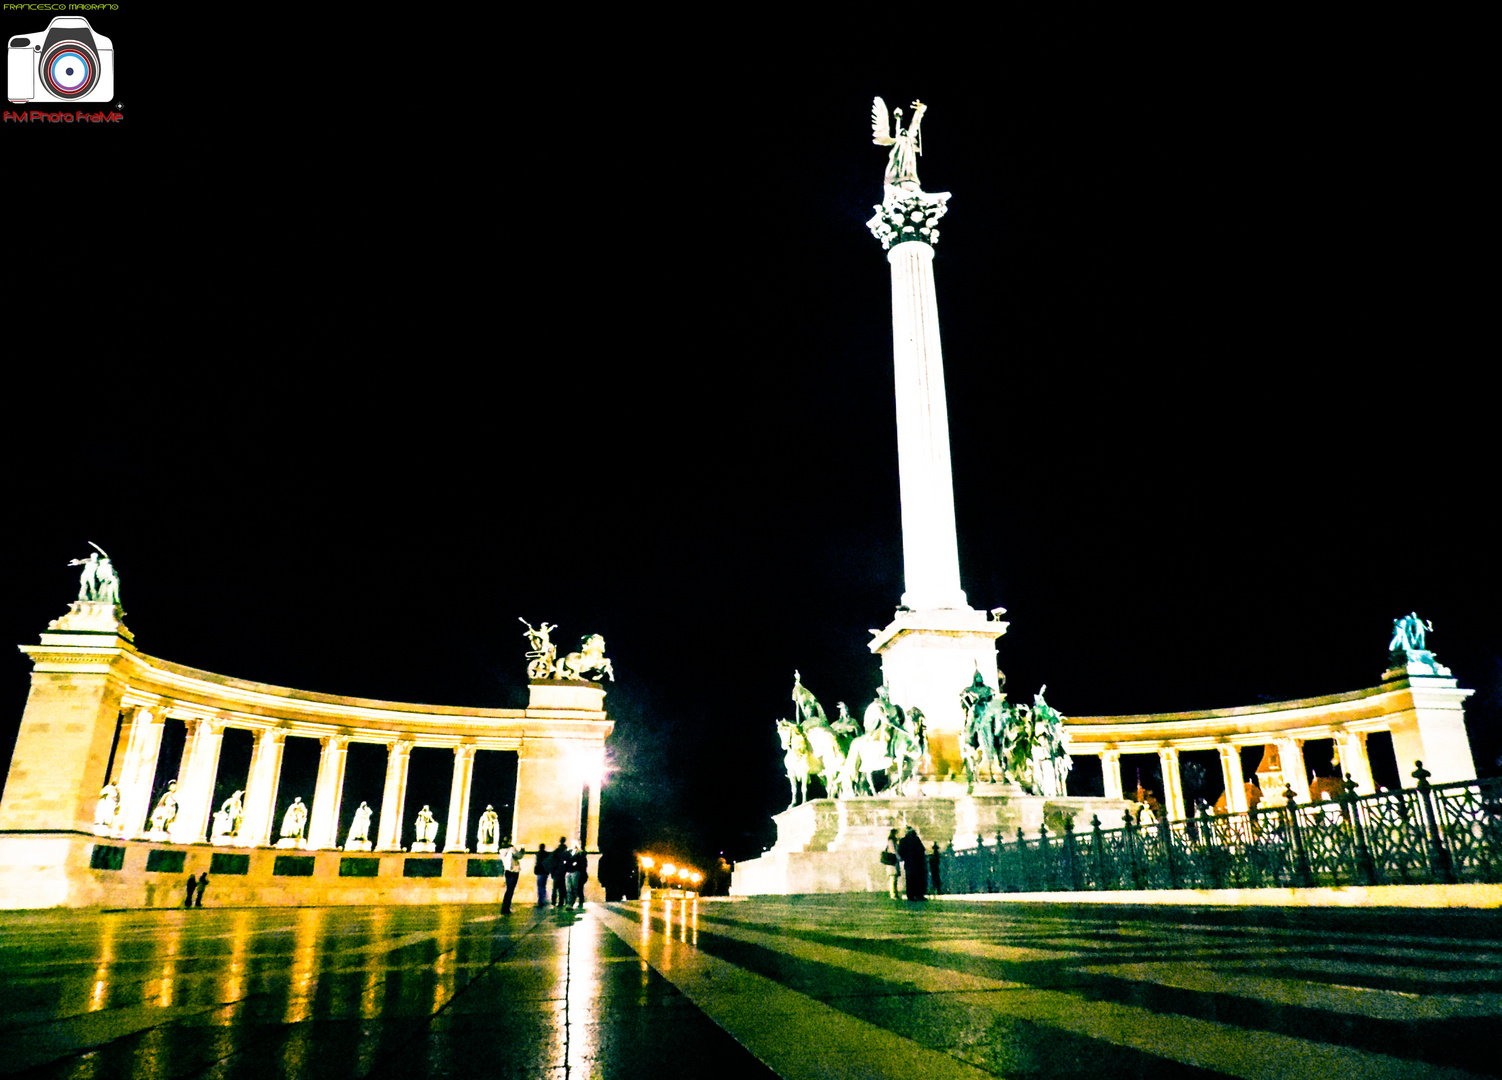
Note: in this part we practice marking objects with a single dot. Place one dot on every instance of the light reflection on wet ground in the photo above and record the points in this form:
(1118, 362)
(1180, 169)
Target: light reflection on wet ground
(340, 992)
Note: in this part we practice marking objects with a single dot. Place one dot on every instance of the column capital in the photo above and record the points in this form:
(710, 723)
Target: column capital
(271, 734)
(908, 213)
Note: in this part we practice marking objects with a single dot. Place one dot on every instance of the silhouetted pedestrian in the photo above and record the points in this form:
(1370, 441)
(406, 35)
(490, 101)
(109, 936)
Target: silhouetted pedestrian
(910, 850)
(203, 884)
(936, 883)
(191, 885)
(559, 868)
(540, 868)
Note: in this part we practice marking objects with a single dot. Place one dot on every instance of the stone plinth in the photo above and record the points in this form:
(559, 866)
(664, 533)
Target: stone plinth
(834, 845)
(424, 845)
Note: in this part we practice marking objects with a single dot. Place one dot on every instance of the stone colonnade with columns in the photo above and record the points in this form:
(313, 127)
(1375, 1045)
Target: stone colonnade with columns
(92, 691)
(1425, 714)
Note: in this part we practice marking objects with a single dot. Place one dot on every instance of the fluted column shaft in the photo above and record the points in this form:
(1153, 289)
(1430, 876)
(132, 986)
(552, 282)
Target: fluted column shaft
(1173, 783)
(323, 825)
(1110, 771)
(394, 798)
(1234, 778)
(1351, 745)
(139, 770)
(260, 794)
(457, 833)
(195, 792)
(1295, 773)
(930, 550)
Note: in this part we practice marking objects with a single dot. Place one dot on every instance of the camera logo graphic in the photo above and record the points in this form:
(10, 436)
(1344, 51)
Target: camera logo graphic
(66, 62)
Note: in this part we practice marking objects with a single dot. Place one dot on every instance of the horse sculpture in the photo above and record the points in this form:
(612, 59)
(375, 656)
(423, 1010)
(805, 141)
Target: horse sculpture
(983, 739)
(590, 659)
(797, 758)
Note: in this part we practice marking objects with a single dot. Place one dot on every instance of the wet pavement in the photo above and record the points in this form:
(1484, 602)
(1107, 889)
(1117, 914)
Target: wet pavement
(797, 987)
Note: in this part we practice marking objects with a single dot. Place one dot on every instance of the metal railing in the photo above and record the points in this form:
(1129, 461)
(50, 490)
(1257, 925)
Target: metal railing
(1422, 835)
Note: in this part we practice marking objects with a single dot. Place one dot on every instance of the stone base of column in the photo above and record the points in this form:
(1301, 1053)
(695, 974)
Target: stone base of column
(927, 658)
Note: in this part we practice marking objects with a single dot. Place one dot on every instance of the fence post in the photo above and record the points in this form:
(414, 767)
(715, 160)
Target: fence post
(1364, 862)
(1072, 854)
(1300, 859)
(1100, 852)
(1165, 836)
(1131, 845)
(1439, 857)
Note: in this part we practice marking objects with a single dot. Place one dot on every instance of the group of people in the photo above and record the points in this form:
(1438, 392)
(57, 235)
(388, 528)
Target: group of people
(918, 867)
(196, 885)
(567, 868)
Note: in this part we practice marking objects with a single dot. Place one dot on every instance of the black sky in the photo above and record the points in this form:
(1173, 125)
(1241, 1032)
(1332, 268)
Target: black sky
(1212, 345)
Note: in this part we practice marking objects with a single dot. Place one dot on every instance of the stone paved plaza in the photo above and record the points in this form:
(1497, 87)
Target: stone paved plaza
(798, 987)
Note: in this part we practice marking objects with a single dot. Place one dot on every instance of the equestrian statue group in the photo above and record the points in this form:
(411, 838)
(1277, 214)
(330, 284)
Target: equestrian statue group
(1008, 743)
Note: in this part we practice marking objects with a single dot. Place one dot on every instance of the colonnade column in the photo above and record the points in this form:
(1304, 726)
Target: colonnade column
(195, 792)
(1234, 778)
(323, 828)
(139, 769)
(1354, 762)
(260, 794)
(457, 832)
(394, 798)
(1295, 773)
(1110, 771)
(1173, 784)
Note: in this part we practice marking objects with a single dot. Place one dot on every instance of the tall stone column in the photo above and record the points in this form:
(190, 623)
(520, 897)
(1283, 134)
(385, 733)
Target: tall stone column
(456, 834)
(1173, 782)
(394, 797)
(1110, 771)
(323, 827)
(1351, 745)
(1234, 778)
(260, 792)
(936, 643)
(1295, 772)
(195, 793)
(139, 769)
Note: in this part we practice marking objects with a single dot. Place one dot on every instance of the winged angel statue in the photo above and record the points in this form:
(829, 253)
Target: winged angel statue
(902, 163)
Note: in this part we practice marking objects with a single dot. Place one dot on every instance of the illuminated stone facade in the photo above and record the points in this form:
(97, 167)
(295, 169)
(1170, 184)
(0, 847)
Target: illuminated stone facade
(94, 692)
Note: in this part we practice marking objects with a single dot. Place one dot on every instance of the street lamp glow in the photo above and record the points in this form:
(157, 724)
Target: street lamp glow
(668, 869)
(647, 863)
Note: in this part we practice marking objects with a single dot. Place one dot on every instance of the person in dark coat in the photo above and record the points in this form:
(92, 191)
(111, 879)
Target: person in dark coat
(191, 885)
(910, 851)
(203, 884)
(934, 880)
(540, 868)
(559, 869)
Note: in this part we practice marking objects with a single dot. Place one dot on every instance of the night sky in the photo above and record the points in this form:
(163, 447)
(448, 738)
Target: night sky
(1210, 346)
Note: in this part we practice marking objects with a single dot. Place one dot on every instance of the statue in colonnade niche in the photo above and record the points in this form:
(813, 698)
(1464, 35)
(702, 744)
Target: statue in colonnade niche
(98, 580)
(542, 653)
(489, 830)
(293, 823)
(359, 829)
(165, 812)
(108, 807)
(228, 817)
(425, 830)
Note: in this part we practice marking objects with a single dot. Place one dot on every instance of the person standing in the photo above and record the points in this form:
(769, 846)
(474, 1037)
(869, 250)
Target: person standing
(191, 885)
(540, 868)
(913, 856)
(203, 884)
(578, 874)
(889, 862)
(513, 874)
(559, 867)
(935, 882)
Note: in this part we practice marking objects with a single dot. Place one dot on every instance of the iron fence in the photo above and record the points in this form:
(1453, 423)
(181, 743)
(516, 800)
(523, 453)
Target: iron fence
(1426, 834)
